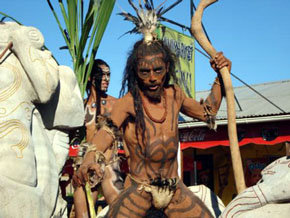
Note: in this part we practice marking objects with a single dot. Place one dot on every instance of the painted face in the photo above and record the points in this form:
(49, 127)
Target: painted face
(102, 80)
(151, 71)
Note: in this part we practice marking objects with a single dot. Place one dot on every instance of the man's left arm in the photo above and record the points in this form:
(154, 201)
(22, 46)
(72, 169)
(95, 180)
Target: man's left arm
(205, 110)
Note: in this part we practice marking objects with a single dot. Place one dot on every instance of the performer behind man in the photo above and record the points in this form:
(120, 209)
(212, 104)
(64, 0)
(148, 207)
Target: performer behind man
(99, 103)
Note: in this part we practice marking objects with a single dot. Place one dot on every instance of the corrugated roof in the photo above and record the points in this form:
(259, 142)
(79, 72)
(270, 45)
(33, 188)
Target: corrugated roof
(252, 104)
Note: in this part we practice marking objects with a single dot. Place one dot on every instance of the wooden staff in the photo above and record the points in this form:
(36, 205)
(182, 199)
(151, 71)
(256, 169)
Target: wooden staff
(197, 32)
(9, 46)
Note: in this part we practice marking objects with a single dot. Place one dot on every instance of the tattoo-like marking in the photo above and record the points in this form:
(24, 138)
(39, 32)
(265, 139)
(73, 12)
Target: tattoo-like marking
(141, 164)
(163, 143)
(158, 148)
(151, 151)
(152, 124)
(180, 209)
(188, 205)
(166, 154)
(121, 206)
(173, 116)
(162, 162)
(162, 158)
(147, 63)
(155, 64)
(139, 151)
(212, 100)
(171, 160)
(89, 116)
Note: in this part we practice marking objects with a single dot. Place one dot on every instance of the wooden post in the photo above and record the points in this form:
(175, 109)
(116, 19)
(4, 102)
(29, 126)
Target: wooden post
(199, 35)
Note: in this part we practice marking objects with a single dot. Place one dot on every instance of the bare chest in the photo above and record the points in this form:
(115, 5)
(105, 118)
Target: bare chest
(92, 108)
(160, 138)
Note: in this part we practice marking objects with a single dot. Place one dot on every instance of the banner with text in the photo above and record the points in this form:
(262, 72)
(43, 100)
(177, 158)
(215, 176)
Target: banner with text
(183, 47)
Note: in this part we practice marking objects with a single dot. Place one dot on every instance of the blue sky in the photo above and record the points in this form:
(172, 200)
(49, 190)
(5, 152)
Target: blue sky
(254, 34)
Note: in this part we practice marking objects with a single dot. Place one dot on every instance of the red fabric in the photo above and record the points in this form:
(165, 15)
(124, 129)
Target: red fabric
(188, 164)
(251, 134)
(121, 151)
(73, 150)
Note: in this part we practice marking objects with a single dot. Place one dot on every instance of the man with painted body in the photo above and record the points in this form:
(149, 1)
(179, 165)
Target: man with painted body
(149, 115)
(99, 103)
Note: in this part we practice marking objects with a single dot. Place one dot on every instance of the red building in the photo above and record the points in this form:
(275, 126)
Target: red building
(263, 125)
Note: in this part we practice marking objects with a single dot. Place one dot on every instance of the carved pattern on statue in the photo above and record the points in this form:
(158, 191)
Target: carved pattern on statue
(27, 106)
(270, 197)
(8, 91)
(268, 171)
(9, 127)
(13, 126)
(45, 62)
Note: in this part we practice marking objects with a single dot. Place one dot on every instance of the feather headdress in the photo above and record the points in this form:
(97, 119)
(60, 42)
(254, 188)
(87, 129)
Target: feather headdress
(146, 19)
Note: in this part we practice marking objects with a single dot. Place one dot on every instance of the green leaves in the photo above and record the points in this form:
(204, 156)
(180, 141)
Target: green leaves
(90, 200)
(7, 16)
(83, 32)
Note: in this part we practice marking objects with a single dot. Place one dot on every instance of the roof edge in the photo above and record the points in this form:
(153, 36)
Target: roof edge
(238, 121)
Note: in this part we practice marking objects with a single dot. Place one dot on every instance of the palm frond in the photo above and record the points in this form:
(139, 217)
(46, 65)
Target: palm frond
(83, 32)
(7, 16)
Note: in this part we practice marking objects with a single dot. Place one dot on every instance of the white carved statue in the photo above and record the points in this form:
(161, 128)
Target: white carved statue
(39, 102)
(269, 198)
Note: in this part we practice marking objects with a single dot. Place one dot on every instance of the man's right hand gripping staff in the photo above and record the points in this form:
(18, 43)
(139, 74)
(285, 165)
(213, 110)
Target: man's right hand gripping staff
(91, 170)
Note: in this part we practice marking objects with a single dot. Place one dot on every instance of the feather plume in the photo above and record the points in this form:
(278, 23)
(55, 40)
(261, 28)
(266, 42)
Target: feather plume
(146, 19)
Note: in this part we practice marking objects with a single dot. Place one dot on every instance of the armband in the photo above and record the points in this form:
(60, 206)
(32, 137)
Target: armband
(107, 124)
(217, 81)
(209, 115)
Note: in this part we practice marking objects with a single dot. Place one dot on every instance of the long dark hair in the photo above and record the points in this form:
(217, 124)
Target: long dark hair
(96, 72)
(130, 78)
